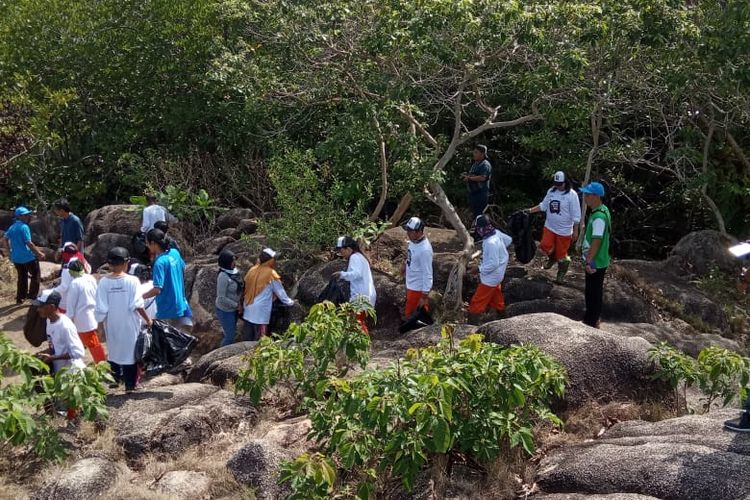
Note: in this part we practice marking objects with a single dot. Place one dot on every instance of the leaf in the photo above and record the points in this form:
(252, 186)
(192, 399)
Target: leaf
(441, 436)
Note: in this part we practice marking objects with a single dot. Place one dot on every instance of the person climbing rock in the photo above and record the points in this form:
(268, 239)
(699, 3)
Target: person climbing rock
(359, 276)
(563, 216)
(24, 255)
(491, 269)
(417, 268)
(262, 286)
(595, 251)
(71, 228)
(478, 181)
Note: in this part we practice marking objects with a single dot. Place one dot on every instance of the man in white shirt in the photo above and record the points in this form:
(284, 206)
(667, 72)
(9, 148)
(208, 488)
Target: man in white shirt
(417, 268)
(65, 346)
(81, 305)
(563, 210)
(153, 213)
(491, 268)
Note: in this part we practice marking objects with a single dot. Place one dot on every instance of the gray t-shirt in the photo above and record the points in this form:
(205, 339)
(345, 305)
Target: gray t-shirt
(484, 169)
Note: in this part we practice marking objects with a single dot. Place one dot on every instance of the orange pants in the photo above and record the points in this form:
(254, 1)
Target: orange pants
(362, 319)
(553, 242)
(491, 296)
(91, 340)
(412, 302)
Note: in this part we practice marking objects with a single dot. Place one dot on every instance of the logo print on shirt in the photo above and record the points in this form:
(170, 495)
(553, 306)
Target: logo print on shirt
(408, 258)
(554, 207)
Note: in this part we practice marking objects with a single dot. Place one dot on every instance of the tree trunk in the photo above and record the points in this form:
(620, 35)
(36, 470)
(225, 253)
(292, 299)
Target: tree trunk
(704, 188)
(401, 209)
(596, 125)
(383, 172)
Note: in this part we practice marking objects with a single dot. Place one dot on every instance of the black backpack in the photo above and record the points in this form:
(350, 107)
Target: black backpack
(523, 243)
(333, 292)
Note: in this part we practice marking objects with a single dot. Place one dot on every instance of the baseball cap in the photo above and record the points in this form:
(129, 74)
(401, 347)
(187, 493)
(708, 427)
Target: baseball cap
(559, 177)
(344, 242)
(69, 246)
(482, 221)
(594, 188)
(117, 255)
(51, 296)
(413, 224)
(21, 211)
(269, 252)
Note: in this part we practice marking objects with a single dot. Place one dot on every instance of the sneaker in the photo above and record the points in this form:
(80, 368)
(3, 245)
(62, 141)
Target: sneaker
(741, 424)
(550, 262)
(562, 269)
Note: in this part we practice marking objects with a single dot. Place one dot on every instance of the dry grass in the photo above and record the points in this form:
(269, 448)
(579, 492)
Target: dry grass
(12, 491)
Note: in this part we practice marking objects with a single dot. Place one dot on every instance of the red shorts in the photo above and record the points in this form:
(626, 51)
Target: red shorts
(553, 242)
(487, 296)
(362, 320)
(412, 302)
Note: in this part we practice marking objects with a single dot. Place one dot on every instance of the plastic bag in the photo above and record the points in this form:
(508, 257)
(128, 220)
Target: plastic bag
(280, 320)
(333, 292)
(419, 319)
(169, 348)
(523, 243)
(35, 328)
(143, 345)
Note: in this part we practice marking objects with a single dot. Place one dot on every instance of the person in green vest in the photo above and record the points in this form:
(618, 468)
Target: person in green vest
(595, 251)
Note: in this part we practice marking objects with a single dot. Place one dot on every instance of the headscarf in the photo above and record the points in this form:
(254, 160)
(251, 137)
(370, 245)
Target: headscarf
(258, 278)
(485, 231)
(71, 252)
(226, 261)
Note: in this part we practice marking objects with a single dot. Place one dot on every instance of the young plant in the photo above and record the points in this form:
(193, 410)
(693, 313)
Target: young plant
(723, 374)
(310, 477)
(676, 368)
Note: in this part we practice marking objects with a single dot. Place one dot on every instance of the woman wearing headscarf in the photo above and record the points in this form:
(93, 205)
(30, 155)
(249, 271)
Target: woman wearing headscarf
(229, 287)
(262, 286)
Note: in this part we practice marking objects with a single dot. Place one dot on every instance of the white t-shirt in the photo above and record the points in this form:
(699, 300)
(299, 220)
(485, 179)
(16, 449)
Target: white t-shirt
(117, 299)
(63, 339)
(419, 266)
(82, 303)
(259, 312)
(62, 288)
(148, 304)
(563, 211)
(359, 276)
(494, 258)
(151, 215)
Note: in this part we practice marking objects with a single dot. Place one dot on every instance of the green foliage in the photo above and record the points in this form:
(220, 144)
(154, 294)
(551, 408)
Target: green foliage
(325, 344)
(475, 398)
(310, 477)
(26, 407)
(719, 373)
(368, 231)
(184, 204)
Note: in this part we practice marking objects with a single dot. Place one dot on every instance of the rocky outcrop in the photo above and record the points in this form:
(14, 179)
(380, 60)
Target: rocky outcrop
(202, 298)
(221, 365)
(600, 366)
(675, 332)
(700, 252)
(232, 217)
(86, 478)
(167, 420)
(120, 219)
(184, 484)
(684, 458)
(96, 253)
(387, 351)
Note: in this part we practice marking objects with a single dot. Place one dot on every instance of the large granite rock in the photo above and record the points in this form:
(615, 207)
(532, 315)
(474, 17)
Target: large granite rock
(184, 485)
(84, 479)
(121, 219)
(232, 217)
(221, 365)
(96, 253)
(700, 252)
(676, 333)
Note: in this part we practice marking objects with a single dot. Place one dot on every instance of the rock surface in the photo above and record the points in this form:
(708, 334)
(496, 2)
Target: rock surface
(221, 365)
(167, 420)
(676, 333)
(86, 478)
(96, 253)
(121, 219)
(184, 485)
(601, 366)
(700, 252)
(690, 457)
(232, 217)
(579, 496)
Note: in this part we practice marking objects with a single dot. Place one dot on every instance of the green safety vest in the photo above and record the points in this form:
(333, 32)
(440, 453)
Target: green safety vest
(601, 259)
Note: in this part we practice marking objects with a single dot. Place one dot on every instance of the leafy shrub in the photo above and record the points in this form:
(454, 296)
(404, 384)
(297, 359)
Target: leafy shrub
(25, 406)
(718, 372)
(323, 345)
(311, 477)
(475, 398)
(197, 207)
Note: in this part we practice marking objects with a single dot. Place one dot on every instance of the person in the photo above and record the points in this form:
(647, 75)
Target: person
(229, 291)
(71, 228)
(24, 255)
(143, 273)
(741, 424)
(153, 213)
(70, 254)
(417, 268)
(595, 251)
(168, 272)
(81, 305)
(118, 307)
(163, 226)
(478, 181)
(359, 276)
(492, 267)
(262, 286)
(563, 216)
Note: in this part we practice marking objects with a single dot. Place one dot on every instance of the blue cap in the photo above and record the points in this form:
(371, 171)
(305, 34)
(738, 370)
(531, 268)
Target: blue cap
(594, 188)
(21, 211)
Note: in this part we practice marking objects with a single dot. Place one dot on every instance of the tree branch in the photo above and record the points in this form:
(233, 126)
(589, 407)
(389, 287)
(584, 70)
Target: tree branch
(383, 171)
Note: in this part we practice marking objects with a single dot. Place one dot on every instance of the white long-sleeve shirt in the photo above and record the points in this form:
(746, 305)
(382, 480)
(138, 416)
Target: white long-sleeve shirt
(151, 215)
(62, 288)
(259, 311)
(117, 300)
(563, 211)
(63, 339)
(494, 258)
(359, 276)
(82, 303)
(419, 266)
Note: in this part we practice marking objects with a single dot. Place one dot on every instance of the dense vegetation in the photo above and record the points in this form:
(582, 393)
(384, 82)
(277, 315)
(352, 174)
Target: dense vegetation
(371, 101)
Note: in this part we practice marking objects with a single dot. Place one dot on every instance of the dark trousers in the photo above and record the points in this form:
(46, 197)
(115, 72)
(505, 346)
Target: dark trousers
(26, 271)
(594, 297)
(125, 373)
(251, 331)
(478, 202)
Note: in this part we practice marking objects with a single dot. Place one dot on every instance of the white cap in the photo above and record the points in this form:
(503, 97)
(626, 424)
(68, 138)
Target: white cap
(269, 252)
(559, 176)
(413, 224)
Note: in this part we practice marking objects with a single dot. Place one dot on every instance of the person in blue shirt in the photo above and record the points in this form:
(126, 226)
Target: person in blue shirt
(168, 276)
(24, 255)
(71, 228)
(478, 181)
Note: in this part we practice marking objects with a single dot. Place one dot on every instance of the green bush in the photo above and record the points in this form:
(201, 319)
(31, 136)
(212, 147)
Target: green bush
(310, 477)
(27, 406)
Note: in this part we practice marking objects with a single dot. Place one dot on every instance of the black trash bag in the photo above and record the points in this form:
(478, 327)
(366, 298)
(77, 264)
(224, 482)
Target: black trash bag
(143, 345)
(169, 348)
(520, 231)
(35, 328)
(279, 322)
(419, 319)
(140, 247)
(333, 292)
